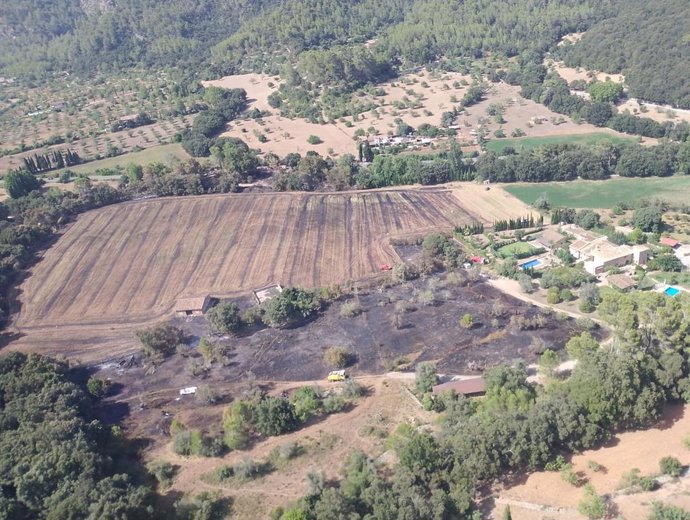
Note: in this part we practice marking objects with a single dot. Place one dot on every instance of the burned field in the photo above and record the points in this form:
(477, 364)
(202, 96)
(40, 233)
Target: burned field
(397, 325)
(126, 265)
(403, 324)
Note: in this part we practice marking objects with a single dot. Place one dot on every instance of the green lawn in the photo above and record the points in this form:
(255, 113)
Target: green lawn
(163, 153)
(603, 194)
(529, 143)
(516, 248)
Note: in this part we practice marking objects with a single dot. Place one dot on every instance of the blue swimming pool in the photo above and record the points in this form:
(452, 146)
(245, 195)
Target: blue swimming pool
(671, 291)
(531, 264)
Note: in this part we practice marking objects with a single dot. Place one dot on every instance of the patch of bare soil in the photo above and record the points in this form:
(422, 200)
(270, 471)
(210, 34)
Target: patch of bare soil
(544, 490)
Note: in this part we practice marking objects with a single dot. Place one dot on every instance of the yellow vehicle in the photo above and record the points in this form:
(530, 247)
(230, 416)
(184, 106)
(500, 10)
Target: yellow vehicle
(337, 375)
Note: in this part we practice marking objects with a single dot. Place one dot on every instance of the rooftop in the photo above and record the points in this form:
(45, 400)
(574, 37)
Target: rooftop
(468, 386)
(621, 281)
(668, 241)
(191, 304)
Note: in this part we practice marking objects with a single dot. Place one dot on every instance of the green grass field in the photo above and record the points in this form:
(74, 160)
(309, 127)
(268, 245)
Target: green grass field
(603, 194)
(163, 153)
(516, 248)
(530, 143)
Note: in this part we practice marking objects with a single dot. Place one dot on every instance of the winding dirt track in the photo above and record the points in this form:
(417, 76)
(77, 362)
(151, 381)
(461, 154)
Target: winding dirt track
(121, 266)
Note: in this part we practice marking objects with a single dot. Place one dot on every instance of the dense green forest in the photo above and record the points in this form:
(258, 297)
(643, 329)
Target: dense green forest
(655, 61)
(38, 36)
(57, 460)
(215, 37)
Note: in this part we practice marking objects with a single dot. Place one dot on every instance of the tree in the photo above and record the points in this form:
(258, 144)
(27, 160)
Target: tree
(666, 262)
(553, 295)
(587, 219)
(548, 362)
(605, 91)
(506, 514)
(19, 183)
(314, 139)
(225, 318)
(290, 305)
(274, 416)
(589, 294)
(647, 219)
(581, 346)
(425, 377)
(525, 282)
(597, 113)
(235, 156)
(160, 340)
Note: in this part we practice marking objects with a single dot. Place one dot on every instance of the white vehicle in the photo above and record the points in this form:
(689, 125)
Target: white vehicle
(190, 390)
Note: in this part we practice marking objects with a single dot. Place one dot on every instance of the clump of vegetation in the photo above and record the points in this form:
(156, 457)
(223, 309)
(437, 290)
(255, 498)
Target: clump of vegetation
(161, 340)
(290, 306)
(164, 472)
(314, 139)
(225, 318)
(338, 357)
(671, 466)
(350, 309)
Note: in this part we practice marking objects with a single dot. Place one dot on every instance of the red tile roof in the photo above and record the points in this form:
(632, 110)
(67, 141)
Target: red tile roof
(670, 242)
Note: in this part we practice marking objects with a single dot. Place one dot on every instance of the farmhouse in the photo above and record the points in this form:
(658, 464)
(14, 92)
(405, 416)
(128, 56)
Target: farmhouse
(193, 306)
(600, 254)
(469, 387)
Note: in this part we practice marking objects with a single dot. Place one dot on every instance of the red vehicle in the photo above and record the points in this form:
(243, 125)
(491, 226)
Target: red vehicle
(386, 267)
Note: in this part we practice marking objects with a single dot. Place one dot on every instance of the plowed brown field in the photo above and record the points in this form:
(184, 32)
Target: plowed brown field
(127, 264)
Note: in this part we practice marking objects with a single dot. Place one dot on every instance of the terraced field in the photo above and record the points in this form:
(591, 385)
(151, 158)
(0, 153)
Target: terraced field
(129, 263)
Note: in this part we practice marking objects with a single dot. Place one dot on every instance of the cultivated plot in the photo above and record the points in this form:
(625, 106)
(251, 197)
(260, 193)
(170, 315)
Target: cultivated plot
(130, 262)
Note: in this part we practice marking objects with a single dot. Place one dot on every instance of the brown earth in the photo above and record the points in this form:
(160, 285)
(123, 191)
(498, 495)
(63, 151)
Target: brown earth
(435, 94)
(127, 264)
(628, 450)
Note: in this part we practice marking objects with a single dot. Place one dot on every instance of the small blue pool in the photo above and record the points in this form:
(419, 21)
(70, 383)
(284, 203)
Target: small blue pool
(671, 291)
(531, 264)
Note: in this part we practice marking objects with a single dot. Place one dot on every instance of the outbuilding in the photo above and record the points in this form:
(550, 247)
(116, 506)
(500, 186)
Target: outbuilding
(469, 387)
(193, 306)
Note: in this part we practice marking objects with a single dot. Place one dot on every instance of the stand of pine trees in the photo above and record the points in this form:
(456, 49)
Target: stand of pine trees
(51, 161)
(518, 223)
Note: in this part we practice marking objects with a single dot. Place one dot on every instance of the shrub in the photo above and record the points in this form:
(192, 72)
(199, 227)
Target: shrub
(164, 472)
(467, 321)
(98, 388)
(353, 389)
(314, 139)
(338, 357)
(350, 309)
(333, 404)
(592, 505)
(671, 466)
(594, 466)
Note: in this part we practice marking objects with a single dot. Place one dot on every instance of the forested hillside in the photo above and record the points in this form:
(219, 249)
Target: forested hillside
(649, 42)
(436, 28)
(80, 35)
